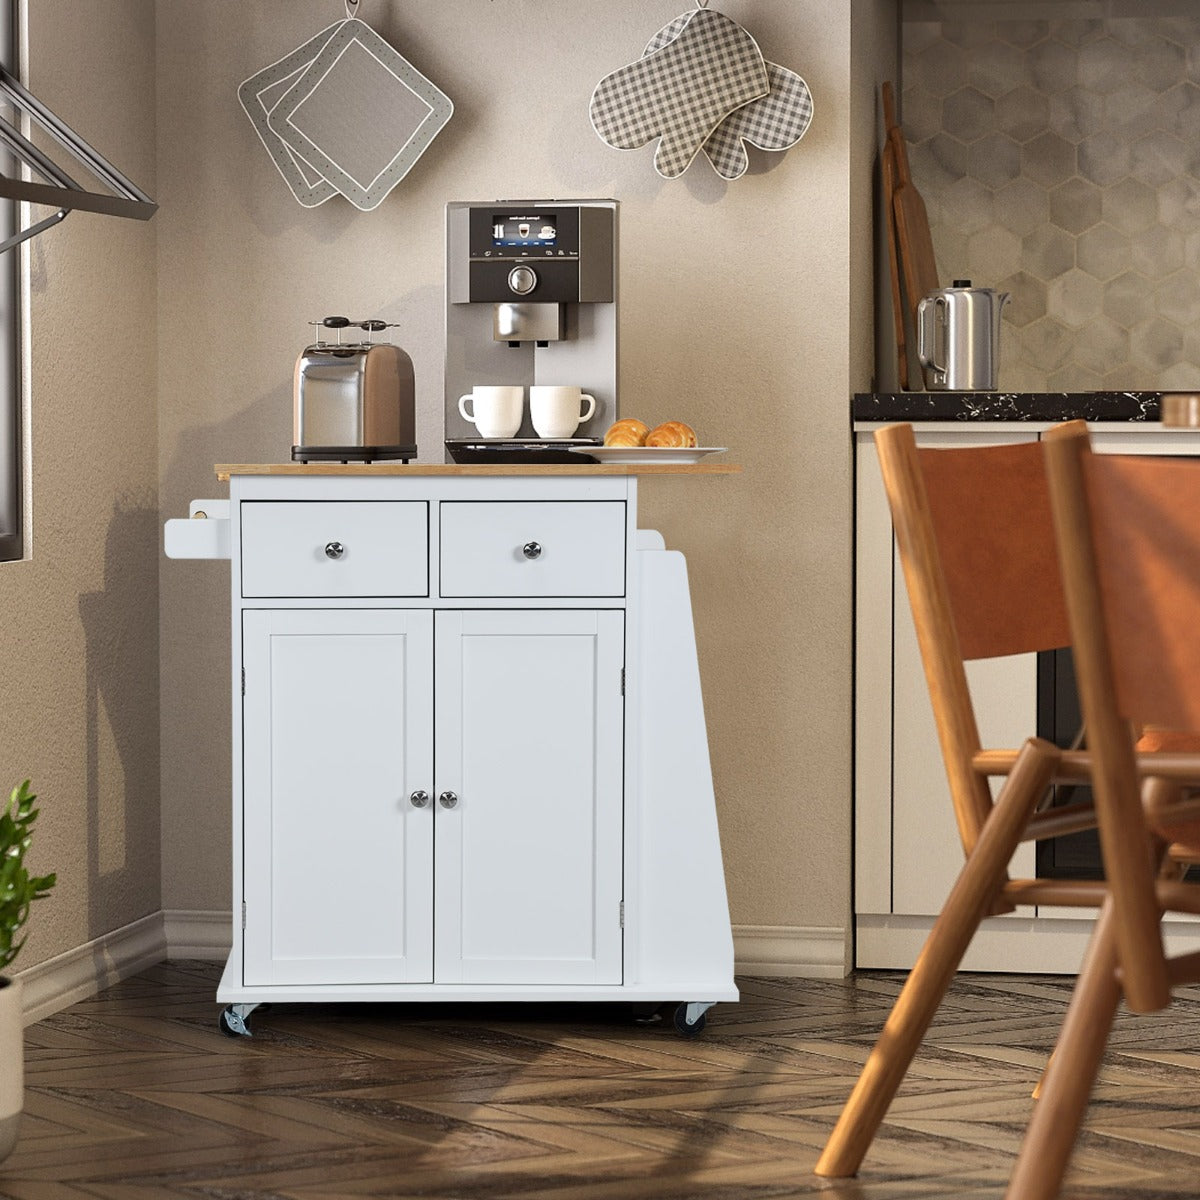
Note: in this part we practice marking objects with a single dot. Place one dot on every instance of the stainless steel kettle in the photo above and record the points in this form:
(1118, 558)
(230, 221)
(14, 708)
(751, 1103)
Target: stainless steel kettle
(958, 337)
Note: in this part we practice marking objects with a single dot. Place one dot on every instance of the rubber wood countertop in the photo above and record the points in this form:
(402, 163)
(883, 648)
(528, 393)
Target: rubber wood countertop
(225, 470)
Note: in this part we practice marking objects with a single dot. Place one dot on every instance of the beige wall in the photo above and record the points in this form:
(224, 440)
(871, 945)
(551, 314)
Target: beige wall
(79, 664)
(746, 311)
(736, 316)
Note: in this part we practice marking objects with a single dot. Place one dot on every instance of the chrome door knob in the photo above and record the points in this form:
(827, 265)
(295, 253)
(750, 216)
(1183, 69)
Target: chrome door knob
(448, 800)
(334, 549)
(419, 798)
(532, 550)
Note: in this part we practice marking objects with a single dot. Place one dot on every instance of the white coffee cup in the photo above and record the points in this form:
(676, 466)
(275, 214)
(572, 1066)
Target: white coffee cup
(555, 411)
(498, 409)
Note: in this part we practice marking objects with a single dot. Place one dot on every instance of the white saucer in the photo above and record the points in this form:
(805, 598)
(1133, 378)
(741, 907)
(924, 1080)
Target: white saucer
(648, 454)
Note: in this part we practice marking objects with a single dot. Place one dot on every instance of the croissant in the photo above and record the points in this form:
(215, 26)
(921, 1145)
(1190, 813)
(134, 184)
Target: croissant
(629, 431)
(672, 433)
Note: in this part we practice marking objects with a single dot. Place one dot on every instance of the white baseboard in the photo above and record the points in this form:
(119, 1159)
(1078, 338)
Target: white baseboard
(778, 950)
(48, 987)
(195, 933)
(799, 951)
(1052, 943)
(76, 974)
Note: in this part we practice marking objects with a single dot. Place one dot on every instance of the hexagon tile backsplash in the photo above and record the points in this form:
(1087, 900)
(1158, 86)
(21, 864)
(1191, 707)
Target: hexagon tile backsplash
(1060, 161)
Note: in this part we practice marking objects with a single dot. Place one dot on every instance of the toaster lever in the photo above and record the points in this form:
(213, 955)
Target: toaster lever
(338, 323)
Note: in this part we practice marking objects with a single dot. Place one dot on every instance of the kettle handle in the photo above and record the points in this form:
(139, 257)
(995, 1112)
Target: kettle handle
(926, 332)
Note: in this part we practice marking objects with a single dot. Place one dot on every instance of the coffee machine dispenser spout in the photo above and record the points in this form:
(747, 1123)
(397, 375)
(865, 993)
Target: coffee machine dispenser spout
(517, 323)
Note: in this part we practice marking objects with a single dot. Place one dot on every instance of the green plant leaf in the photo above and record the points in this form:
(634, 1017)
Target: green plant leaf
(18, 889)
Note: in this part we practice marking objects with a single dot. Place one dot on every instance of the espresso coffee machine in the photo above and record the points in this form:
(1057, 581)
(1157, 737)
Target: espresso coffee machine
(531, 298)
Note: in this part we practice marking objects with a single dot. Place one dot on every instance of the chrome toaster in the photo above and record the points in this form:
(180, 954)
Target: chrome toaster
(354, 400)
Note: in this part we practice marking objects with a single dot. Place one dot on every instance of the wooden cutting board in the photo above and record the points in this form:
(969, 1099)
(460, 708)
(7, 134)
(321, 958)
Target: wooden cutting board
(913, 239)
(889, 171)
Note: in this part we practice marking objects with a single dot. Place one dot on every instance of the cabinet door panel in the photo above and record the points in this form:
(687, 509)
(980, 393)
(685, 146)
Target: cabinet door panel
(338, 864)
(927, 853)
(529, 737)
(925, 843)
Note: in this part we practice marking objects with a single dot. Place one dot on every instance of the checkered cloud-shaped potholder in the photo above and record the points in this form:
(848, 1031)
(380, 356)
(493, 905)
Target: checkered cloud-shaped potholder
(776, 121)
(680, 93)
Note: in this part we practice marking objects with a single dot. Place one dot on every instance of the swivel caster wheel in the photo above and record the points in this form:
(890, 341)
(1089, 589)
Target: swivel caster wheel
(690, 1019)
(232, 1021)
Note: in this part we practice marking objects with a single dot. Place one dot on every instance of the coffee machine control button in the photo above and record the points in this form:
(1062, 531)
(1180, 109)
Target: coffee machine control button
(522, 280)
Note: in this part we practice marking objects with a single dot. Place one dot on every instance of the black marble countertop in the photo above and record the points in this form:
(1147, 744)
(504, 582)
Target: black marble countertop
(1006, 406)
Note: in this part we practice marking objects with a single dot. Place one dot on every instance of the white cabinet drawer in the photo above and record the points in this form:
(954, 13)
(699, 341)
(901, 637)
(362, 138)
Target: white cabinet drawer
(335, 548)
(533, 548)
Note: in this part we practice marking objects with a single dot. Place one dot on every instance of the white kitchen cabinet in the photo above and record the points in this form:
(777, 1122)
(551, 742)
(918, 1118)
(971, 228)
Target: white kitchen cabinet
(927, 852)
(529, 743)
(907, 850)
(469, 756)
(339, 718)
(338, 736)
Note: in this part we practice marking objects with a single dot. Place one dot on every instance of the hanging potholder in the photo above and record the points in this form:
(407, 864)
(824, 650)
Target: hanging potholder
(681, 93)
(776, 121)
(361, 114)
(261, 92)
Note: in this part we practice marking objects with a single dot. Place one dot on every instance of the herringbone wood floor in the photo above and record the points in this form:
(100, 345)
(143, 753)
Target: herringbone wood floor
(134, 1095)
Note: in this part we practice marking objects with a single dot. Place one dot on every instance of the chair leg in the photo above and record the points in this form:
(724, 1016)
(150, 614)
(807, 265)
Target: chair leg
(1036, 1094)
(1072, 1071)
(968, 903)
(1168, 869)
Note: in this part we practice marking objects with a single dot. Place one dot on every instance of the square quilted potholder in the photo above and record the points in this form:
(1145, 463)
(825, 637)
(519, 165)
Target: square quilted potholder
(682, 92)
(361, 114)
(259, 95)
(776, 121)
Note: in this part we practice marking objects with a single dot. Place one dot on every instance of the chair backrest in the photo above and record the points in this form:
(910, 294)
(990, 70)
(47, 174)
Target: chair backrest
(1128, 529)
(976, 543)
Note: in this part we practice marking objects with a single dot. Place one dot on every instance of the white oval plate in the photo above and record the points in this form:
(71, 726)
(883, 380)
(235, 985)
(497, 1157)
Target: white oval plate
(648, 454)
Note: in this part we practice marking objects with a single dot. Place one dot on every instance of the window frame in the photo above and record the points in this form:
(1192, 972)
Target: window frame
(12, 455)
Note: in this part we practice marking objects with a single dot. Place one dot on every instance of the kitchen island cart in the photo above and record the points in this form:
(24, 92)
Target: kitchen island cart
(469, 748)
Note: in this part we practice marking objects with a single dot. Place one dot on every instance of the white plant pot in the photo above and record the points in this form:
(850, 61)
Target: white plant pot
(12, 1063)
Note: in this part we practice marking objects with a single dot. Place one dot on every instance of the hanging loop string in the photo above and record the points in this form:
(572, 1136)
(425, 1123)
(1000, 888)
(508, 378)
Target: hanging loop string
(352, 9)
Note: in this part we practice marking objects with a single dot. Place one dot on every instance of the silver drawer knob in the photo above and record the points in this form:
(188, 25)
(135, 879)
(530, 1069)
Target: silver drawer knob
(532, 550)
(334, 549)
(419, 799)
(448, 800)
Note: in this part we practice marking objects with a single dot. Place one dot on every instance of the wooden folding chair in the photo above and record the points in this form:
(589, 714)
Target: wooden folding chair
(976, 542)
(1128, 531)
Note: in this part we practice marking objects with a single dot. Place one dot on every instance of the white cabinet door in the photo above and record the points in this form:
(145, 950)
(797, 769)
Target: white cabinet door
(338, 734)
(908, 848)
(528, 858)
(927, 852)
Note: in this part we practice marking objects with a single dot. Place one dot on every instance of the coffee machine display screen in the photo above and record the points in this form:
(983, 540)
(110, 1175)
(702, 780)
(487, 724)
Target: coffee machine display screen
(538, 229)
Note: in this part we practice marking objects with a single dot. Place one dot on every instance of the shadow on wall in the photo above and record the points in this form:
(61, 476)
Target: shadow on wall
(195, 680)
(120, 624)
